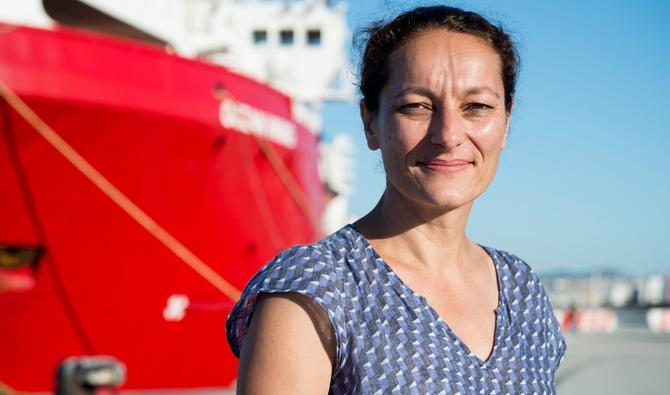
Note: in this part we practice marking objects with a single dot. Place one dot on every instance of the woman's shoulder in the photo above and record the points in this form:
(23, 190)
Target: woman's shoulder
(513, 267)
(312, 270)
(520, 284)
(320, 260)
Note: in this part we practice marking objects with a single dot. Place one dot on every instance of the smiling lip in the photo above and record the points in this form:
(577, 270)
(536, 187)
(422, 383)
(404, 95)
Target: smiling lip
(445, 166)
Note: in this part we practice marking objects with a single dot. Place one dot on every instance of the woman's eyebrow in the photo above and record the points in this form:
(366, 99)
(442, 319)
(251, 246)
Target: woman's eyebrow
(476, 90)
(419, 90)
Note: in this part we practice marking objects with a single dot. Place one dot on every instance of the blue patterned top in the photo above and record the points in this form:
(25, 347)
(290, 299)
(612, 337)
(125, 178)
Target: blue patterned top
(389, 340)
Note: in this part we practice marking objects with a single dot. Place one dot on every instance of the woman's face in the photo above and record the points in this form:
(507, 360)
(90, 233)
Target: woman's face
(441, 122)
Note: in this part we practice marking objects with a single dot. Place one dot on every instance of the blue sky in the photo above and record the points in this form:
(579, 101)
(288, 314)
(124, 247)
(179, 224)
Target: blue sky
(584, 183)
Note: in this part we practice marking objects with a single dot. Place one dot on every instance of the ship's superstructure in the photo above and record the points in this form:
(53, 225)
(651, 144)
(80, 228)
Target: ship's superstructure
(295, 46)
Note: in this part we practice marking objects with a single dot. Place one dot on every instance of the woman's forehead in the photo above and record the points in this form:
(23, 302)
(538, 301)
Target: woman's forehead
(440, 56)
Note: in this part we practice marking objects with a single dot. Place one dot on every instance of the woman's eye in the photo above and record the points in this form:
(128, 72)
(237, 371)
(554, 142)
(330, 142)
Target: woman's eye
(414, 108)
(477, 107)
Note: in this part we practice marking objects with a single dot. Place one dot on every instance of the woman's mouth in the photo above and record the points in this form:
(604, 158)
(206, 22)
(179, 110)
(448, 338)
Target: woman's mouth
(445, 166)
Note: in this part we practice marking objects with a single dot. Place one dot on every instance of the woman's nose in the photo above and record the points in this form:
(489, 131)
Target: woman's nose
(447, 129)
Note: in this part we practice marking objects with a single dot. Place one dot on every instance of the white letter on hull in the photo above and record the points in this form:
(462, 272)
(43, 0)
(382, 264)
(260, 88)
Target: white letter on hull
(249, 120)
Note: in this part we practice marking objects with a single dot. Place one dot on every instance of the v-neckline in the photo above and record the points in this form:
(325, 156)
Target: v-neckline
(499, 316)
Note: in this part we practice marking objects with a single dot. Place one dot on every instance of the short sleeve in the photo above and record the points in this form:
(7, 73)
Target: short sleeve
(536, 297)
(302, 269)
(555, 338)
(555, 341)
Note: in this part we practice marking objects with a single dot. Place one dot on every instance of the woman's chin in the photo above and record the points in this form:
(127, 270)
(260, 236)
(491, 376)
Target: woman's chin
(445, 202)
(433, 196)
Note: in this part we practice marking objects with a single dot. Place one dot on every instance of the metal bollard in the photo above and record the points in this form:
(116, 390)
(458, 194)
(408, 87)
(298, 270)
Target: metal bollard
(84, 375)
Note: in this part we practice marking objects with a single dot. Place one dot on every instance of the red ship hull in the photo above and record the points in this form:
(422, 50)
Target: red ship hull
(149, 122)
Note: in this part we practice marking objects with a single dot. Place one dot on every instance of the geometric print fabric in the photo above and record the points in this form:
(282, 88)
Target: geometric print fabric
(390, 341)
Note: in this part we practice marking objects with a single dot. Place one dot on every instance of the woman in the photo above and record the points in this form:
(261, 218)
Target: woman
(402, 301)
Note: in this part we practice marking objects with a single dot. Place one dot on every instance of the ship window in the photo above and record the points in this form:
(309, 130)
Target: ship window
(286, 37)
(314, 37)
(260, 36)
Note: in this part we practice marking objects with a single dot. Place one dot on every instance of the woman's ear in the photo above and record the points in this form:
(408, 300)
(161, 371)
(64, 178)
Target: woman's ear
(504, 141)
(507, 123)
(368, 126)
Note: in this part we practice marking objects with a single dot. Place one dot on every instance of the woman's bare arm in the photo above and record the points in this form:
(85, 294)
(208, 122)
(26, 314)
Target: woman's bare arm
(289, 348)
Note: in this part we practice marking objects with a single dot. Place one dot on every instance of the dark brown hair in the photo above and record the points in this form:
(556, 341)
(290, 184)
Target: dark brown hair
(381, 38)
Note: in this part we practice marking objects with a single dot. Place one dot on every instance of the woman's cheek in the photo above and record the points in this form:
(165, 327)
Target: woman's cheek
(489, 136)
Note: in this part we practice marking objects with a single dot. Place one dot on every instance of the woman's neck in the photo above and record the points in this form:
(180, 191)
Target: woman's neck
(412, 235)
